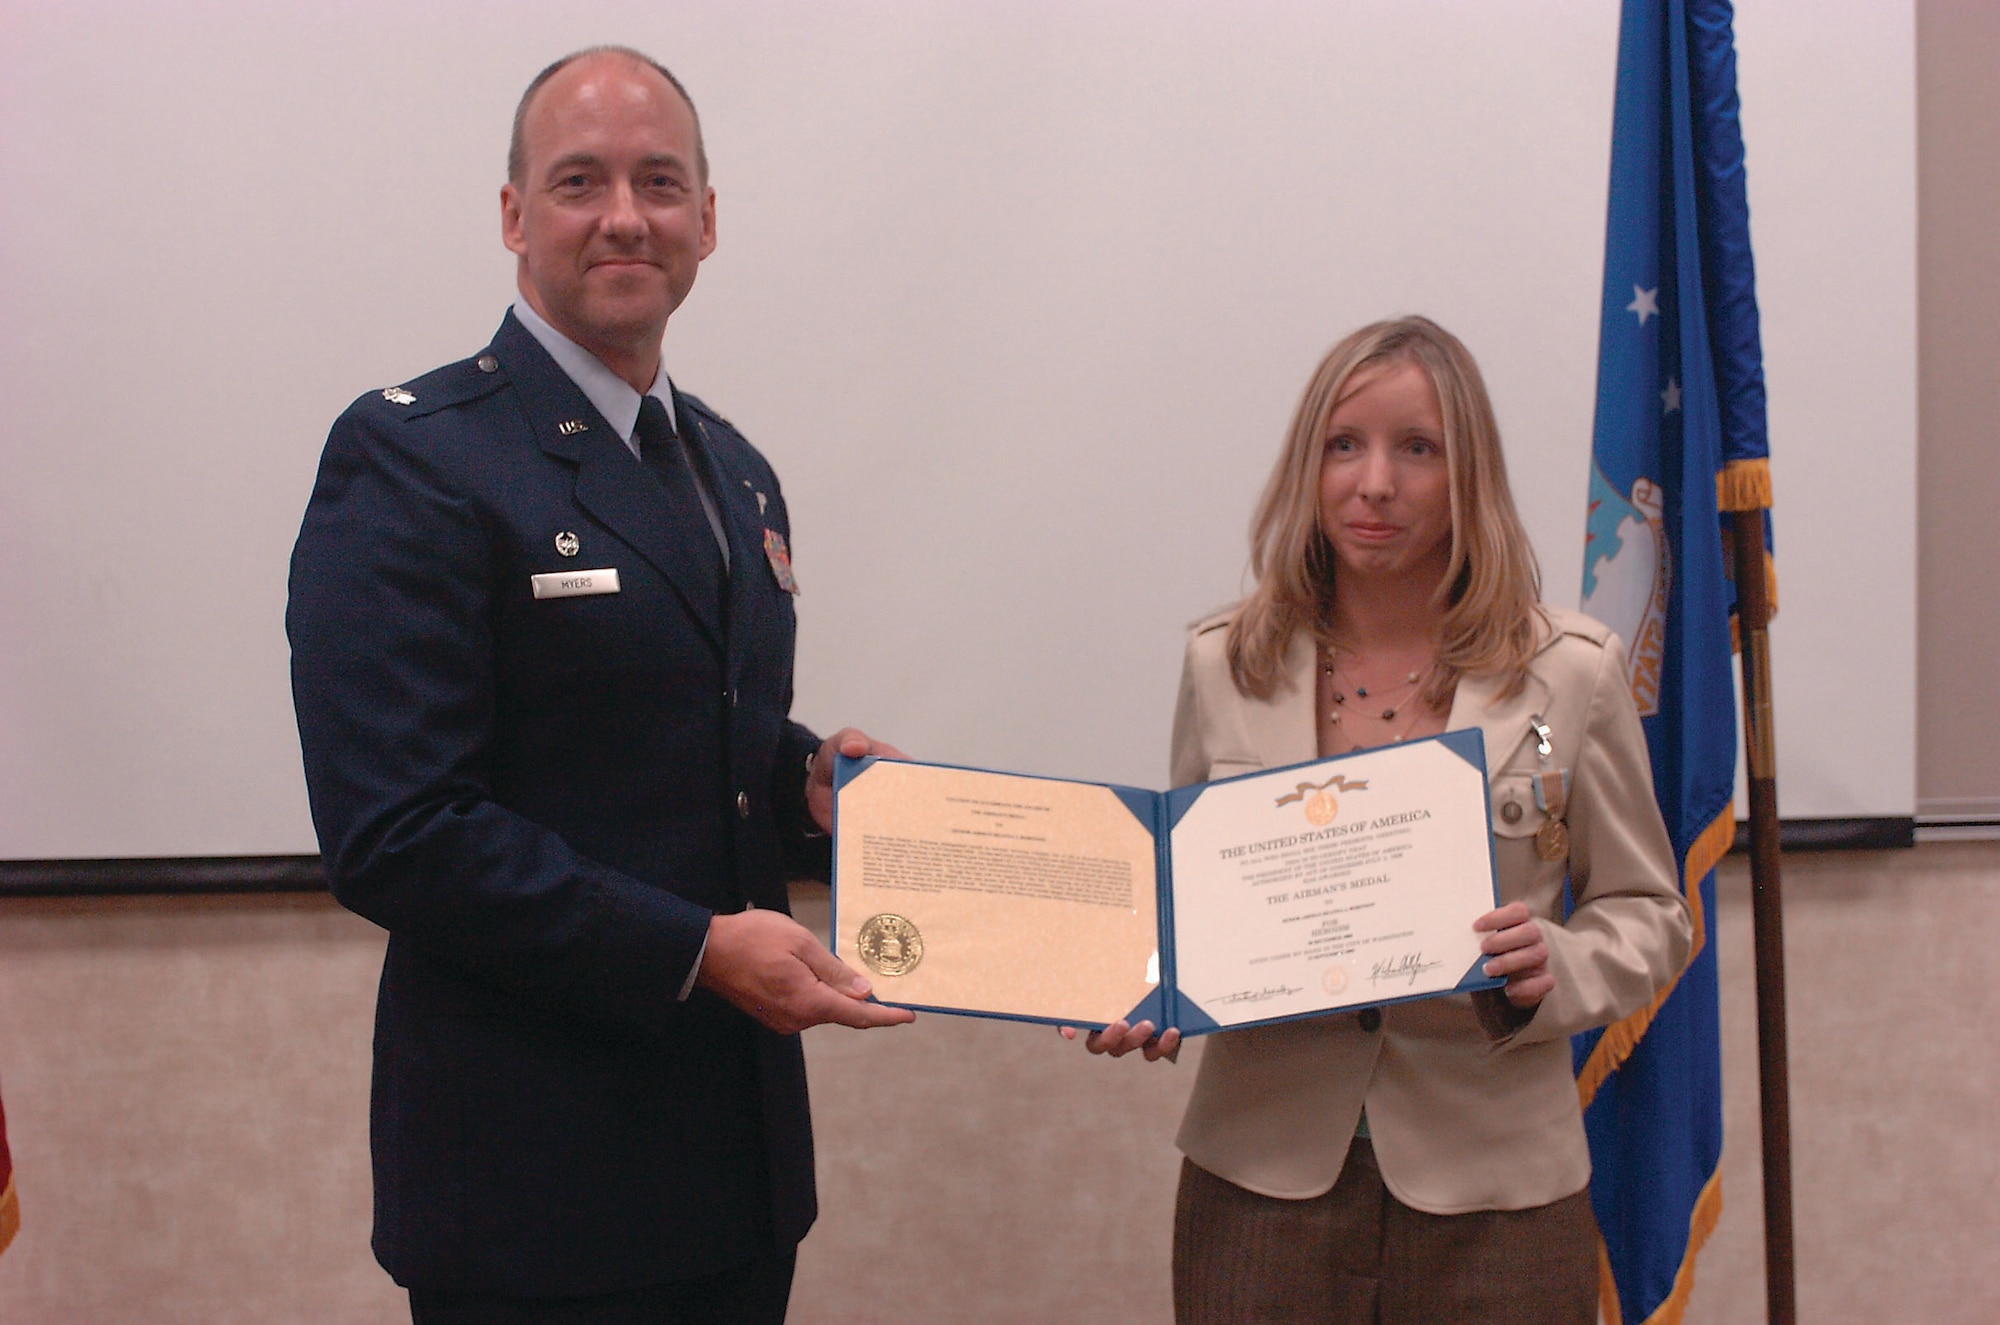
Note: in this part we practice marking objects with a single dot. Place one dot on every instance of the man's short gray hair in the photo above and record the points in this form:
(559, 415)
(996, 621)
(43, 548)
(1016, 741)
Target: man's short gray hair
(517, 152)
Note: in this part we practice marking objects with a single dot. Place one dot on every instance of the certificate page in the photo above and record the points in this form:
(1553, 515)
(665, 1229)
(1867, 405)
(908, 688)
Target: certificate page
(1331, 885)
(1016, 896)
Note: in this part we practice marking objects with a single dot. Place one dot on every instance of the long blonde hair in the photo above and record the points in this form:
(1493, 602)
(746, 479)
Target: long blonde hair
(1491, 589)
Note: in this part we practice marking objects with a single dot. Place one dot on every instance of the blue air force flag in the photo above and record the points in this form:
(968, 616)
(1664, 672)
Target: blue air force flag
(1679, 436)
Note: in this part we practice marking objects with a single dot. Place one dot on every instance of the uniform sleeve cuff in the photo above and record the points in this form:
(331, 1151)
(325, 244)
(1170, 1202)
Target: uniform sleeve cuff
(687, 986)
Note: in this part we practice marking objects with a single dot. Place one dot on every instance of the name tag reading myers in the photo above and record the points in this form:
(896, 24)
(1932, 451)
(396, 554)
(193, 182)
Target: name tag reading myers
(1290, 893)
(575, 583)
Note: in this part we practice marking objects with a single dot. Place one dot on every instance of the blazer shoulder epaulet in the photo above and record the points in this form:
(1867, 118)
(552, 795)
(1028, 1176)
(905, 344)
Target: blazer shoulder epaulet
(1215, 620)
(1565, 623)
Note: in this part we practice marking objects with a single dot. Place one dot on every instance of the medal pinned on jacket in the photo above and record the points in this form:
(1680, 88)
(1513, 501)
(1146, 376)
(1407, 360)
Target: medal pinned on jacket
(780, 557)
(1551, 797)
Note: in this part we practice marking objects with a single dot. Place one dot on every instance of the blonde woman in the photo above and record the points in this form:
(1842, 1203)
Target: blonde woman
(1423, 1162)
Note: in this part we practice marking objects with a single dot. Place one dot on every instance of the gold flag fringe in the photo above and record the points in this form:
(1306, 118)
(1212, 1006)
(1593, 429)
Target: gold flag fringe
(1744, 485)
(1770, 591)
(1673, 1308)
(1608, 1310)
(1620, 1038)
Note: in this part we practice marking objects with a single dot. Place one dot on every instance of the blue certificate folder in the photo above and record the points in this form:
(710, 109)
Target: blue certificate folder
(1311, 839)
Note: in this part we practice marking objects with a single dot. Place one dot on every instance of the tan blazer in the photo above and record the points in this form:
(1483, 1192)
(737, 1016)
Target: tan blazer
(1461, 1118)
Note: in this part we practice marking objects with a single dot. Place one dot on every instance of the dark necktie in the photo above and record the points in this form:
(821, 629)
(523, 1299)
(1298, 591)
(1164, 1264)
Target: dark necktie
(663, 453)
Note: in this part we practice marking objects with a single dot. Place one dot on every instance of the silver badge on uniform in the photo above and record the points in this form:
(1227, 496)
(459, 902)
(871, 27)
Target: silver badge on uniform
(574, 583)
(567, 544)
(397, 395)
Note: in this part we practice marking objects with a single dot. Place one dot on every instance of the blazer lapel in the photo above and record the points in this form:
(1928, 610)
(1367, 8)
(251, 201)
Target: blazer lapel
(611, 484)
(1284, 728)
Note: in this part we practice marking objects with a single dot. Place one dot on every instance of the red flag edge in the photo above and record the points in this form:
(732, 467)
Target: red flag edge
(10, 1213)
(10, 1201)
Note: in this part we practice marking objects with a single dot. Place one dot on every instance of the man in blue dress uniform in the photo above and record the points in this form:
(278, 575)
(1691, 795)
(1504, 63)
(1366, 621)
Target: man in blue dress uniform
(542, 628)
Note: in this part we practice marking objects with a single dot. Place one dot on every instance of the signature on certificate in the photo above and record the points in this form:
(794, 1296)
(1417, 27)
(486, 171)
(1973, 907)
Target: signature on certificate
(1264, 995)
(1410, 967)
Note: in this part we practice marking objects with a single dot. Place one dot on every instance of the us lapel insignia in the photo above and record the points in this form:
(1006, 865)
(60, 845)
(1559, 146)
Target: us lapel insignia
(567, 543)
(571, 427)
(397, 395)
(780, 558)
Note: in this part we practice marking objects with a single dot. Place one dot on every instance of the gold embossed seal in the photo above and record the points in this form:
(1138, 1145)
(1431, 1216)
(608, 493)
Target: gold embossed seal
(889, 944)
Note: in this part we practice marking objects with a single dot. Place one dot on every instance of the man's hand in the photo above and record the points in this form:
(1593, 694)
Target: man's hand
(849, 741)
(774, 969)
(1514, 943)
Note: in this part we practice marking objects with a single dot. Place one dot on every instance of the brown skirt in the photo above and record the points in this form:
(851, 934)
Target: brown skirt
(1358, 1256)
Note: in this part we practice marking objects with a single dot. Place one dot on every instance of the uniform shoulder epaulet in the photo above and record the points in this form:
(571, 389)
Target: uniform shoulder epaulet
(1215, 620)
(442, 388)
(702, 408)
(728, 447)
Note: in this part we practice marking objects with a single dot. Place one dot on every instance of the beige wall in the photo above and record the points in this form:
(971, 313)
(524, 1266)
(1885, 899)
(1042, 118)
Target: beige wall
(186, 1080)
(1958, 395)
(1074, 380)
(186, 1083)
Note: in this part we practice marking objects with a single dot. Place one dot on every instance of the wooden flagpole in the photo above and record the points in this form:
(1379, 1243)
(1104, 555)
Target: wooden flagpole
(1753, 617)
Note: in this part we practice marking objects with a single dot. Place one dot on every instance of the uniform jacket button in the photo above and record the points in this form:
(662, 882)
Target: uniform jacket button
(1370, 1019)
(743, 804)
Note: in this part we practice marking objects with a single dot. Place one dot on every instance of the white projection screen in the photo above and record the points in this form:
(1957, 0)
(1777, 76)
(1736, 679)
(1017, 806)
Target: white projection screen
(1016, 296)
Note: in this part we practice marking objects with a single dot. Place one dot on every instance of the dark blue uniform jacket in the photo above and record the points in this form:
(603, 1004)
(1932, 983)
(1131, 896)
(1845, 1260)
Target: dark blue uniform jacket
(542, 801)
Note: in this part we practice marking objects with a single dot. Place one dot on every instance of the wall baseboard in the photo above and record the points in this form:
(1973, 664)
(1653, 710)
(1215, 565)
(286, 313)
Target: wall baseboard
(132, 876)
(1958, 827)
(1873, 834)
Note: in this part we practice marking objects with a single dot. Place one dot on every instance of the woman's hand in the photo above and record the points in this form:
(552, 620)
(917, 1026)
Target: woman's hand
(1119, 1039)
(1514, 947)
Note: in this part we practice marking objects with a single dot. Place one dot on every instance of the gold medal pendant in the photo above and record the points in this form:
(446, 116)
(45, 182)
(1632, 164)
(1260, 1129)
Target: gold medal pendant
(1551, 798)
(1552, 839)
